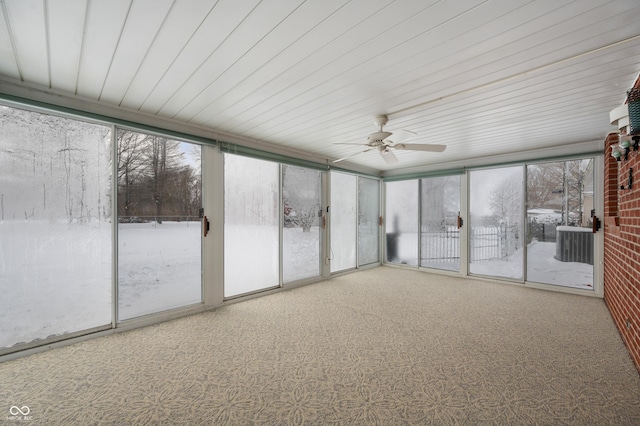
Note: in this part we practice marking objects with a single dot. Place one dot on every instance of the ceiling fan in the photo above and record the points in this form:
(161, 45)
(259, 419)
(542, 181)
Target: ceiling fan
(385, 142)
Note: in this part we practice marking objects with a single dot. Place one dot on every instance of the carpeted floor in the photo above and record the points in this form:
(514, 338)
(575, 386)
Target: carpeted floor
(382, 346)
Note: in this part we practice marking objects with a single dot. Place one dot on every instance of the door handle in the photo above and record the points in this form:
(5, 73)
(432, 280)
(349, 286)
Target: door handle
(205, 225)
(595, 222)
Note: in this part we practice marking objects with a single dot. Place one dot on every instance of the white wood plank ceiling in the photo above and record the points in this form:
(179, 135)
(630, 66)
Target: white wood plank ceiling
(485, 77)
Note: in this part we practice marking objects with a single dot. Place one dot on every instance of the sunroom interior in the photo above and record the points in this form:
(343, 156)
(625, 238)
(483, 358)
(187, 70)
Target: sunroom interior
(161, 158)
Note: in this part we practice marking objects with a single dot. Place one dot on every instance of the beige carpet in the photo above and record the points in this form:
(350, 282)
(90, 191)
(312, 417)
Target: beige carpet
(382, 346)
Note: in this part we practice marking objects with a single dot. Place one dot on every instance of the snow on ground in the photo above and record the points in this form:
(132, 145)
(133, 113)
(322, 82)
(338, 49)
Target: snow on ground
(159, 267)
(301, 253)
(55, 278)
(252, 252)
(250, 258)
(542, 267)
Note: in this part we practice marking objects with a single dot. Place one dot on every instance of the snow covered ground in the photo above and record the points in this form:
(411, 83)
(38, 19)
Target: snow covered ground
(250, 259)
(542, 267)
(300, 254)
(159, 267)
(55, 278)
(252, 252)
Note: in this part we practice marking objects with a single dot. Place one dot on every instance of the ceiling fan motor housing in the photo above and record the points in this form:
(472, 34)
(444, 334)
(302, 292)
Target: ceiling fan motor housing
(377, 138)
(380, 120)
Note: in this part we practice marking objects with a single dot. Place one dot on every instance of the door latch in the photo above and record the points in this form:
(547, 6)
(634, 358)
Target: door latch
(205, 225)
(596, 224)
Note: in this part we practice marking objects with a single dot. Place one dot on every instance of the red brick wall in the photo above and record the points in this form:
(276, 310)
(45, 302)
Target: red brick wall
(622, 246)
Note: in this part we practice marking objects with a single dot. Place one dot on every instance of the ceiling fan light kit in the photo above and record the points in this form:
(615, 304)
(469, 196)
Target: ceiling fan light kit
(385, 142)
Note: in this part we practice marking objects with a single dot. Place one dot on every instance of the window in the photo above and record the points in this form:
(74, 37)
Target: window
(251, 225)
(496, 231)
(159, 231)
(368, 221)
(439, 233)
(344, 198)
(560, 241)
(402, 222)
(55, 226)
(301, 199)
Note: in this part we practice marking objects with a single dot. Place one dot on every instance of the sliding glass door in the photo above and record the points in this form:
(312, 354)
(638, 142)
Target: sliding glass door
(251, 225)
(344, 198)
(355, 221)
(439, 233)
(368, 221)
(496, 222)
(402, 222)
(552, 242)
(159, 229)
(301, 208)
(560, 238)
(55, 227)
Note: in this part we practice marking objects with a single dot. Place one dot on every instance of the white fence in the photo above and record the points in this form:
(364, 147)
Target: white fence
(493, 242)
(485, 243)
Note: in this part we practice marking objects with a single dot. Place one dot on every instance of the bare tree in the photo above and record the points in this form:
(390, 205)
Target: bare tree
(505, 201)
(163, 159)
(131, 168)
(557, 185)
(543, 184)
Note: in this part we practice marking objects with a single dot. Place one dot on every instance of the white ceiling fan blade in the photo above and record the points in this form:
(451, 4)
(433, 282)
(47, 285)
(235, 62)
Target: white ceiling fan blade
(401, 135)
(420, 147)
(351, 155)
(347, 143)
(388, 156)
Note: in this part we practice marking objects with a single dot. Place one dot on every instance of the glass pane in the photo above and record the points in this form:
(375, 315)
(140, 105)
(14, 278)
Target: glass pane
(495, 231)
(559, 233)
(439, 233)
(159, 231)
(402, 222)
(301, 199)
(368, 221)
(251, 228)
(55, 226)
(344, 194)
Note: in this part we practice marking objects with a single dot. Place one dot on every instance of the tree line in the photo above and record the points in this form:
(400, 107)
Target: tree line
(155, 180)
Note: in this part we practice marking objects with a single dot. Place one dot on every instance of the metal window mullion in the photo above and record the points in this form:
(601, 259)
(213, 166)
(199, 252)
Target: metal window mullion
(523, 231)
(598, 238)
(379, 224)
(464, 232)
(280, 225)
(357, 221)
(325, 252)
(469, 229)
(114, 227)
